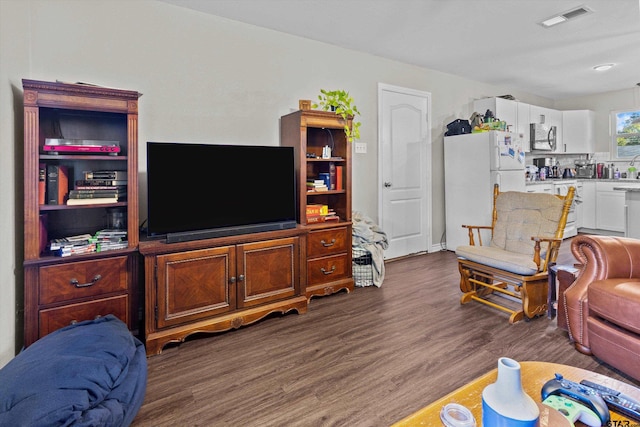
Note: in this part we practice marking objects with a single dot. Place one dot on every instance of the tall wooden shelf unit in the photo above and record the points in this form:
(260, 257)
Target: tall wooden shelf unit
(61, 290)
(328, 244)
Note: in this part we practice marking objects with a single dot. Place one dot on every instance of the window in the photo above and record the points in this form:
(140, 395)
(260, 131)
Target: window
(626, 138)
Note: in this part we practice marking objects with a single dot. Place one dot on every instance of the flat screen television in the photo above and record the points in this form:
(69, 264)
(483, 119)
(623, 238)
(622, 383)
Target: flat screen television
(198, 191)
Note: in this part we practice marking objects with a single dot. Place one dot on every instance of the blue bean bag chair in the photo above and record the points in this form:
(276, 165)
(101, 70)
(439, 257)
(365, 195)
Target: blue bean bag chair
(92, 373)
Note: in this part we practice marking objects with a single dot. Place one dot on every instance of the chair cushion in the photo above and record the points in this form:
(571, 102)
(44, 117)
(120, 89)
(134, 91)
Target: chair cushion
(494, 257)
(92, 373)
(616, 300)
(522, 216)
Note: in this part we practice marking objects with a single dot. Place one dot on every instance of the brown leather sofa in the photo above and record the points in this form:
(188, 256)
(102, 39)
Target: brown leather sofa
(603, 304)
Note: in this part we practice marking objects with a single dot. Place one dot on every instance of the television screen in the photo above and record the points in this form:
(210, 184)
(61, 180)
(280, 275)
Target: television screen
(206, 190)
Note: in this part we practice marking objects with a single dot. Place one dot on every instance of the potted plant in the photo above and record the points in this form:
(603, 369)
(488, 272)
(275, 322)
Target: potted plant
(342, 103)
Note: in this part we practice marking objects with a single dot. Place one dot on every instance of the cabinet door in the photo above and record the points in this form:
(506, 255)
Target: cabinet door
(588, 205)
(578, 133)
(522, 126)
(610, 210)
(268, 271)
(195, 285)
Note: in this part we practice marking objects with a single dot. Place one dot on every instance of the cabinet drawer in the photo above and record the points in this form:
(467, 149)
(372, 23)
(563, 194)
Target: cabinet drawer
(56, 318)
(65, 282)
(327, 241)
(327, 269)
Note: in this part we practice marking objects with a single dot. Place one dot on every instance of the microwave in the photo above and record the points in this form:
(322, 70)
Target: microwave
(543, 137)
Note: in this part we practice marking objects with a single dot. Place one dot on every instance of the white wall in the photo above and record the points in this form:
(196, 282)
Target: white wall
(203, 78)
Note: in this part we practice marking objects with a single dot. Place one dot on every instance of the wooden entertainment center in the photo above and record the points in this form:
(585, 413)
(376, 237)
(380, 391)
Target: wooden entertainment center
(207, 285)
(214, 285)
(218, 284)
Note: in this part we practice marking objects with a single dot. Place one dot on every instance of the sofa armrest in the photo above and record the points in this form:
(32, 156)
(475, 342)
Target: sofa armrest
(601, 257)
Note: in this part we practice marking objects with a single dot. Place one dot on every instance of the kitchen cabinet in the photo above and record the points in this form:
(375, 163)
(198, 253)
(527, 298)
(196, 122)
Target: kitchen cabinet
(550, 117)
(541, 188)
(562, 188)
(610, 206)
(214, 285)
(588, 205)
(632, 207)
(514, 113)
(523, 124)
(578, 131)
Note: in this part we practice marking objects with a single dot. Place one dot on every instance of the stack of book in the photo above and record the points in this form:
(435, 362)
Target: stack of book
(72, 245)
(316, 185)
(103, 240)
(107, 240)
(106, 186)
(320, 213)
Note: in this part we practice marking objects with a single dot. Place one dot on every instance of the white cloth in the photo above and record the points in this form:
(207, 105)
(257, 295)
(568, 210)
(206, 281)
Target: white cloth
(368, 236)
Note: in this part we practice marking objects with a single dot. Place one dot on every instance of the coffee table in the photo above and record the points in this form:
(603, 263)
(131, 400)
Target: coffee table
(534, 376)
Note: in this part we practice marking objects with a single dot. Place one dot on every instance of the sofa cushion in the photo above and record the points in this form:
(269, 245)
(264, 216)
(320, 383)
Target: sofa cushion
(616, 300)
(92, 373)
(494, 257)
(615, 346)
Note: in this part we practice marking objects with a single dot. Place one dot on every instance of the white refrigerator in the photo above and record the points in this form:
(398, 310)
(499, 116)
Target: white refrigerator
(473, 163)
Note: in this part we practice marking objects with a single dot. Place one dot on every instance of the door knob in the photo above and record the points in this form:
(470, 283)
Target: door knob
(387, 184)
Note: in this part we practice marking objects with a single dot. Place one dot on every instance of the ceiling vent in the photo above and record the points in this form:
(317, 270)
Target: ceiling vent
(566, 16)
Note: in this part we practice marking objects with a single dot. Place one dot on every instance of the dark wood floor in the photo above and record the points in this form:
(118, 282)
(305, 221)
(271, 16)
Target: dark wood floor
(368, 358)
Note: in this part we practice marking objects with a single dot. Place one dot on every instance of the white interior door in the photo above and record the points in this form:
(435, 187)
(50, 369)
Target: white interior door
(404, 157)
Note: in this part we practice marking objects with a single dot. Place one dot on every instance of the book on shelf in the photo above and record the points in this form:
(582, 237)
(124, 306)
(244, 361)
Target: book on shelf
(313, 219)
(111, 174)
(94, 201)
(316, 185)
(42, 183)
(99, 182)
(332, 176)
(100, 187)
(339, 178)
(93, 194)
(57, 185)
(317, 209)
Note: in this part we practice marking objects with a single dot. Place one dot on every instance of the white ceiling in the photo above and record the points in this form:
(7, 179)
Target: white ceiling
(494, 41)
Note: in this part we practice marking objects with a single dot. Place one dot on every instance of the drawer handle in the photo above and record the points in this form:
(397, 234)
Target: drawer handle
(325, 272)
(93, 281)
(326, 245)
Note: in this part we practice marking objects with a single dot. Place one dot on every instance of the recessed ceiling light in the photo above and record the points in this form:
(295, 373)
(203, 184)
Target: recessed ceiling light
(565, 16)
(603, 67)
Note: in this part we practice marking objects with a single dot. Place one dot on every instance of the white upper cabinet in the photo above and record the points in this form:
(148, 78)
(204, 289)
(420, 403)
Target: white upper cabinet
(514, 113)
(578, 131)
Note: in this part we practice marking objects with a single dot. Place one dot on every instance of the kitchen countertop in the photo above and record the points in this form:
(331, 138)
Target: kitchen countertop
(630, 189)
(560, 180)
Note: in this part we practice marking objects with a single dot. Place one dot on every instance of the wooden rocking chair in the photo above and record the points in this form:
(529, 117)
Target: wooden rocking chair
(526, 233)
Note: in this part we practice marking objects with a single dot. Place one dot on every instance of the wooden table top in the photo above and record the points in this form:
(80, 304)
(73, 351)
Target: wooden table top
(534, 376)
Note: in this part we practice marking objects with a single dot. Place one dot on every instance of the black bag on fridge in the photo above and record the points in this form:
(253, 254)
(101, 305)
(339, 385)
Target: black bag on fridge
(458, 127)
